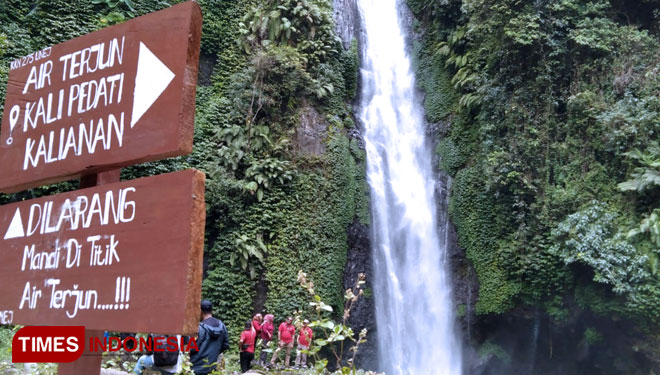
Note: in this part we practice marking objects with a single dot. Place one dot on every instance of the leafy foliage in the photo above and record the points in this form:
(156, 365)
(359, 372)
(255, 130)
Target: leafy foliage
(334, 334)
(306, 25)
(646, 176)
(271, 210)
(591, 237)
(246, 249)
(548, 104)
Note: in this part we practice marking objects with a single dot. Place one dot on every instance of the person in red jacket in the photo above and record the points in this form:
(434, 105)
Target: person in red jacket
(246, 346)
(304, 341)
(256, 323)
(266, 336)
(285, 335)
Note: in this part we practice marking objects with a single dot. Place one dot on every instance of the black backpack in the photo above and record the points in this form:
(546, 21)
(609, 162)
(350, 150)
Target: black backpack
(164, 356)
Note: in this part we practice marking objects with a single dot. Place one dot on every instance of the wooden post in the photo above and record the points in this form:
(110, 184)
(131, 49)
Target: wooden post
(90, 362)
(108, 177)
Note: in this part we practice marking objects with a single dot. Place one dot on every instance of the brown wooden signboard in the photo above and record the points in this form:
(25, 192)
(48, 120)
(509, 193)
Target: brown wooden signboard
(125, 256)
(115, 97)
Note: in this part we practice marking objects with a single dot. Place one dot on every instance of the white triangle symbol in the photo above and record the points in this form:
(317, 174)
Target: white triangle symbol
(151, 79)
(16, 227)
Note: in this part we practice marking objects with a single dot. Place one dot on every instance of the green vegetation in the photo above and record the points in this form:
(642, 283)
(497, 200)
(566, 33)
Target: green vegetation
(489, 349)
(272, 206)
(334, 334)
(555, 114)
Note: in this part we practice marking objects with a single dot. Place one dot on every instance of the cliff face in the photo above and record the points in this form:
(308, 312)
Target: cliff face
(274, 133)
(347, 20)
(363, 314)
(543, 114)
(540, 118)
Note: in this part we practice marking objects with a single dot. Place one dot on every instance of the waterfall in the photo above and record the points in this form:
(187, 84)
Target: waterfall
(414, 309)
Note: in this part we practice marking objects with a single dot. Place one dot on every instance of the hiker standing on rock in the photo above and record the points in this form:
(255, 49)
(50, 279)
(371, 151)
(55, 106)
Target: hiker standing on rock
(285, 335)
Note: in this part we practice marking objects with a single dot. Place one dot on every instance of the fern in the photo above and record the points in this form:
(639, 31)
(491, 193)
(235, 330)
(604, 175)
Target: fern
(648, 174)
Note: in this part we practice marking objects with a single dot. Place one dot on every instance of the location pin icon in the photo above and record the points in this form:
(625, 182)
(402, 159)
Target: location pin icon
(14, 112)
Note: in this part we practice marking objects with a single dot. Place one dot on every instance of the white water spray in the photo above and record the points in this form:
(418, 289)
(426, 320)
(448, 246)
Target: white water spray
(414, 306)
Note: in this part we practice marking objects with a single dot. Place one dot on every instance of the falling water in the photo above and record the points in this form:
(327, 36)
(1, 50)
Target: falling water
(535, 342)
(413, 295)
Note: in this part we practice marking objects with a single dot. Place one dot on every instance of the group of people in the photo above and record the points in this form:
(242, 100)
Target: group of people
(262, 327)
(213, 339)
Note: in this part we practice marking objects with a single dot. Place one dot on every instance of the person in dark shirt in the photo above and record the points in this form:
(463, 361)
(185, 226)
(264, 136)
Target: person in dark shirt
(212, 339)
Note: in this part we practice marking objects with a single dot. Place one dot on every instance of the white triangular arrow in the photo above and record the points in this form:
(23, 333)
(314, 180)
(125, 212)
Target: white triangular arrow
(151, 80)
(15, 227)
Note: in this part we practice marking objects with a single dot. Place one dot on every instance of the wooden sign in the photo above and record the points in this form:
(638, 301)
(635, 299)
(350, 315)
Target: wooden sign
(115, 97)
(122, 257)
